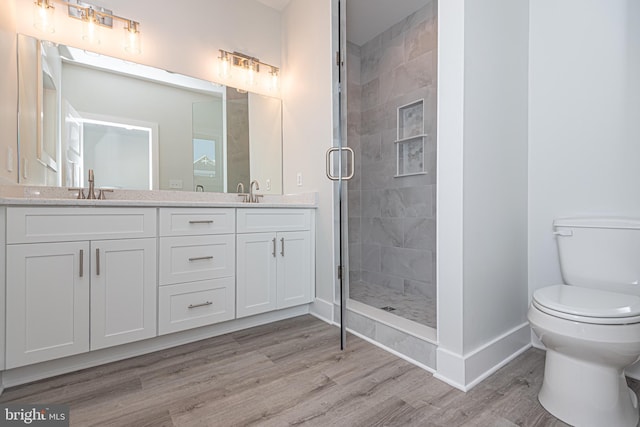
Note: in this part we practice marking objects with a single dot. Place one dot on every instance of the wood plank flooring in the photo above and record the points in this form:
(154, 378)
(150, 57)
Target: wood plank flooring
(288, 373)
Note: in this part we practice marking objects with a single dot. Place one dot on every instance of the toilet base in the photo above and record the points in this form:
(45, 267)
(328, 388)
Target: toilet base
(584, 394)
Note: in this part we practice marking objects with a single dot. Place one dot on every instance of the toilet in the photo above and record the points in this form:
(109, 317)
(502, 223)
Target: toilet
(590, 324)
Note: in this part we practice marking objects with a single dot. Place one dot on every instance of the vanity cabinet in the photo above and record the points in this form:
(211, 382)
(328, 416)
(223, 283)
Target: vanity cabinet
(79, 279)
(275, 259)
(197, 267)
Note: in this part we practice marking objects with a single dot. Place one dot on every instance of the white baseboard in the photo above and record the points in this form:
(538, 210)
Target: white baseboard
(27, 374)
(322, 309)
(450, 368)
(465, 372)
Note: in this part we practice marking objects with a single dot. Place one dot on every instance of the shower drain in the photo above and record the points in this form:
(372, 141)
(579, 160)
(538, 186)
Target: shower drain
(388, 308)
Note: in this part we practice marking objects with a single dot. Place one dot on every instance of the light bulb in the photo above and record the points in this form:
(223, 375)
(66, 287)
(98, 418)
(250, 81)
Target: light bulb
(132, 41)
(43, 16)
(90, 30)
(251, 74)
(225, 65)
(273, 84)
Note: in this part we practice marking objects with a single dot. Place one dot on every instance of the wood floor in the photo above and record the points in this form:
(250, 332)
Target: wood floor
(288, 373)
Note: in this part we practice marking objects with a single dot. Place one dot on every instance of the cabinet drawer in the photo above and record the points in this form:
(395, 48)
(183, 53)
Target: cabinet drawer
(192, 258)
(31, 225)
(262, 220)
(190, 305)
(191, 221)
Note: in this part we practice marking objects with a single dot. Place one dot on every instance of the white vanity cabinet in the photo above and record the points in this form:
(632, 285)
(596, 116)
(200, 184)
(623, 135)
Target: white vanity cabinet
(197, 267)
(275, 259)
(79, 279)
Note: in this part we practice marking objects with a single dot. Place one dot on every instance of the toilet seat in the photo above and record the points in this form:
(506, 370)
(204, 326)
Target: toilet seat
(588, 305)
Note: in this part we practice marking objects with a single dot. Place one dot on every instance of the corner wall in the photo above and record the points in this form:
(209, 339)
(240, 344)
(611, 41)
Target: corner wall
(482, 203)
(308, 124)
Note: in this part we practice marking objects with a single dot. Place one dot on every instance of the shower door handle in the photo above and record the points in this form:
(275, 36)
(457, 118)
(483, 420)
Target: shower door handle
(348, 150)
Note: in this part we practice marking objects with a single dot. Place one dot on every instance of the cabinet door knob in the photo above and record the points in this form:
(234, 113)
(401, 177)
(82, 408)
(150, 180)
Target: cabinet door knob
(282, 242)
(274, 247)
(205, 221)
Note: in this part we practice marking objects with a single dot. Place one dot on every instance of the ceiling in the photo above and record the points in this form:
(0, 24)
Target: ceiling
(276, 4)
(367, 18)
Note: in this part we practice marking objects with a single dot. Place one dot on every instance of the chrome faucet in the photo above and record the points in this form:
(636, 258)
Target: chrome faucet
(92, 191)
(241, 193)
(253, 198)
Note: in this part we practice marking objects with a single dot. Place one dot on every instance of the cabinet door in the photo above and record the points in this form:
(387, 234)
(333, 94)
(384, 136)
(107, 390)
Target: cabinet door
(256, 279)
(47, 301)
(294, 268)
(123, 291)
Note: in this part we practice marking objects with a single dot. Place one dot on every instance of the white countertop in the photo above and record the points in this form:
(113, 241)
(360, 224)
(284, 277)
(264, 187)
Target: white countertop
(23, 195)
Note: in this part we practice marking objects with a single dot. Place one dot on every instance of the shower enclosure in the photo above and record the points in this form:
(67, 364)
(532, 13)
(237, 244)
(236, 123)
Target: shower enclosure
(389, 120)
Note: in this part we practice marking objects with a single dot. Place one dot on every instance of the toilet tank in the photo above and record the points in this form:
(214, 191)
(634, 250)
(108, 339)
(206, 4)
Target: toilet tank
(600, 252)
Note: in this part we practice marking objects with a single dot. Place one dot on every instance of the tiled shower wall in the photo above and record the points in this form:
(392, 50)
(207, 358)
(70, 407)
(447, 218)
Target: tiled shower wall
(392, 220)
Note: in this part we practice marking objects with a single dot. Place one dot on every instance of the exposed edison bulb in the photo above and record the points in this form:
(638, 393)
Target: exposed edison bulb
(43, 16)
(273, 81)
(251, 73)
(90, 28)
(132, 39)
(225, 65)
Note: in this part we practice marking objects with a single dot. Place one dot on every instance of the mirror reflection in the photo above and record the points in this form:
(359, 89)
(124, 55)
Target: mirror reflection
(139, 127)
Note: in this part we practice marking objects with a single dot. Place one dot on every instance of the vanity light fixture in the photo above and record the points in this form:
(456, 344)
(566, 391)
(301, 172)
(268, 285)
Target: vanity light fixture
(250, 66)
(94, 19)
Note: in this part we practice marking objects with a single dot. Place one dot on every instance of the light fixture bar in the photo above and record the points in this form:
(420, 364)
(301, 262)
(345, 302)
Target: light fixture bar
(242, 60)
(81, 10)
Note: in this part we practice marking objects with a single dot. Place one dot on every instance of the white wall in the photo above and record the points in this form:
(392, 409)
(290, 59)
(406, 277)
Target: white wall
(584, 118)
(9, 91)
(482, 185)
(495, 169)
(307, 101)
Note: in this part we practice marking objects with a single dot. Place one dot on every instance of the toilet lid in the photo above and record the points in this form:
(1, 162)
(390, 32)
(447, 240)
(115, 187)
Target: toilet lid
(587, 302)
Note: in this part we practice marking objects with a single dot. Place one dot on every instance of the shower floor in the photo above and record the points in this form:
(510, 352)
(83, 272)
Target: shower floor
(417, 308)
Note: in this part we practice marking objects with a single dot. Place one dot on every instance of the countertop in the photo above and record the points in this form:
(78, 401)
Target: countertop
(23, 195)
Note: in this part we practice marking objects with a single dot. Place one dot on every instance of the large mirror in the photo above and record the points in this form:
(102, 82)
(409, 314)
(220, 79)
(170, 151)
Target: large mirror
(139, 127)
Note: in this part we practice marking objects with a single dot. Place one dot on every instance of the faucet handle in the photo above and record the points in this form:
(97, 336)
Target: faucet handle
(101, 195)
(256, 198)
(245, 197)
(80, 192)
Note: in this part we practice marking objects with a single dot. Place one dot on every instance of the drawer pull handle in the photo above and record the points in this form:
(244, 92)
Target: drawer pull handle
(201, 304)
(203, 221)
(97, 262)
(201, 258)
(274, 247)
(81, 262)
(282, 242)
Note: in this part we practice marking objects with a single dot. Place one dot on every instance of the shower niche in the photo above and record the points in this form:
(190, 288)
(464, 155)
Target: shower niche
(410, 139)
